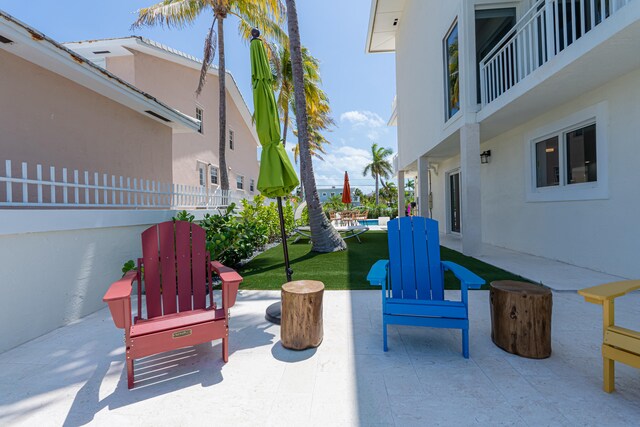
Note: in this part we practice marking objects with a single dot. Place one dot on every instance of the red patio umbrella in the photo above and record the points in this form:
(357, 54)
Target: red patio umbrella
(346, 190)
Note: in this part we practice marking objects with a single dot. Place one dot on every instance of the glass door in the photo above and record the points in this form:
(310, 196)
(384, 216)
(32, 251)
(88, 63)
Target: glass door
(454, 202)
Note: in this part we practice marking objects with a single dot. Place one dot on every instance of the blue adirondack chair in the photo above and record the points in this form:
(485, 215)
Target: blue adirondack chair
(412, 280)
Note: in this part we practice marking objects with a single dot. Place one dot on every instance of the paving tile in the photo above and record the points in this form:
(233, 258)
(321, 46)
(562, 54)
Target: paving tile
(75, 375)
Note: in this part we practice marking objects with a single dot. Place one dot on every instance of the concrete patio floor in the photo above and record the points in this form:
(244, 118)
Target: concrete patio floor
(74, 375)
(556, 275)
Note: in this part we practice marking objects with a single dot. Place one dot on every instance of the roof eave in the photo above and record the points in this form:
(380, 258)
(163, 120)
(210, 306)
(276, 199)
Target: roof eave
(372, 18)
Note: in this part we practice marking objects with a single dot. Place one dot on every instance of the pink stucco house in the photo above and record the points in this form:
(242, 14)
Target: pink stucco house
(58, 109)
(172, 77)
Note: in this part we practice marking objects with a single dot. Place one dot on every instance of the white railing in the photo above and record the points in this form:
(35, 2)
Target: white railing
(72, 189)
(549, 27)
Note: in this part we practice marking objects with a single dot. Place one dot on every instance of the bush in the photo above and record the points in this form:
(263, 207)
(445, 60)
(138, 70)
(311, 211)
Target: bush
(232, 237)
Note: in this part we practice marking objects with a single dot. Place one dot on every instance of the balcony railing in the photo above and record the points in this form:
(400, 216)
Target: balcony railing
(548, 28)
(63, 188)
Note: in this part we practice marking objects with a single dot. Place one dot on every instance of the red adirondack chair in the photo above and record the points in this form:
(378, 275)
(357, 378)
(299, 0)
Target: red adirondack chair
(177, 273)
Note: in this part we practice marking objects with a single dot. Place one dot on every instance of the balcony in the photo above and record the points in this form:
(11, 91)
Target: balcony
(547, 29)
(549, 59)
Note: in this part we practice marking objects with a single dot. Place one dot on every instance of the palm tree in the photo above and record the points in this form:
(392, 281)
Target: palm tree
(318, 109)
(379, 167)
(325, 237)
(389, 192)
(268, 15)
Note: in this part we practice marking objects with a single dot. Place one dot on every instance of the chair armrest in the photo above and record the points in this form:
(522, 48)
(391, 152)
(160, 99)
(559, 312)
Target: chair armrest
(378, 273)
(466, 277)
(121, 289)
(230, 283)
(609, 291)
(118, 297)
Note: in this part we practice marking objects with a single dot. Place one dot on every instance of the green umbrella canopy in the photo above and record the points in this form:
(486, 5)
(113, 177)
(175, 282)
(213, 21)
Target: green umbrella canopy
(277, 177)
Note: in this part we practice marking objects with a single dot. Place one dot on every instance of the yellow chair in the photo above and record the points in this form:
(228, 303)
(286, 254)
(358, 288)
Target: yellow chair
(619, 344)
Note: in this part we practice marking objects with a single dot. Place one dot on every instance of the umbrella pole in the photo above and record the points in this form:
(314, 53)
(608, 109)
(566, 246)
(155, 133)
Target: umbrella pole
(274, 311)
(283, 235)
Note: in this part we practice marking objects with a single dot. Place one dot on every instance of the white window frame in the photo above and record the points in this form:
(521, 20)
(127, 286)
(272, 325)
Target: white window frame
(232, 141)
(240, 181)
(447, 201)
(595, 190)
(252, 185)
(447, 116)
(211, 169)
(202, 176)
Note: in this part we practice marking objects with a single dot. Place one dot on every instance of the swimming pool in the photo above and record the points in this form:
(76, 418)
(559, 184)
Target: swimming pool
(368, 222)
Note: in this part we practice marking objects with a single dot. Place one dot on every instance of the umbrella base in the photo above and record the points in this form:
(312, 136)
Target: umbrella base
(274, 313)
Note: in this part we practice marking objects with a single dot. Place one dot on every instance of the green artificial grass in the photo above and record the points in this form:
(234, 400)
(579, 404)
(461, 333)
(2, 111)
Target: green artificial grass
(347, 270)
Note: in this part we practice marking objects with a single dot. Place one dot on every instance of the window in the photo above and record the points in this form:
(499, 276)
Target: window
(214, 175)
(578, 151)
(251, 185)
(324, 194)
(240, 182)
(547, 163)
(452, 83)
(581, 155)
(231, 135)
(199, 116)
(201, 175)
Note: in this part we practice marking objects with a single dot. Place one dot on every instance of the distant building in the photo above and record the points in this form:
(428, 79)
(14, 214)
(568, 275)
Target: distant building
(325, 193)
(172, 77)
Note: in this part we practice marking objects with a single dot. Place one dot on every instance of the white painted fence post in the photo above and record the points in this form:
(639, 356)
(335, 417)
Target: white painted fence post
(52, 178)
(25, 186)
(39, 179)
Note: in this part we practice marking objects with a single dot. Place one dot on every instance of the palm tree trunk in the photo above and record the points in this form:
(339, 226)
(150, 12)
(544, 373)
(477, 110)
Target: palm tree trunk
(325, 237)
(286, 125)
(222, 74)
(377, 192)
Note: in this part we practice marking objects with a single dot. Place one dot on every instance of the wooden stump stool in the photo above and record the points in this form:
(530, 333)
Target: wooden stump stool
(301, 323)
(521, 318)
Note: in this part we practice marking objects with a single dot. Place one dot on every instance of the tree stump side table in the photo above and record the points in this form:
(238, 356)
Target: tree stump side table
(521, 318)
(301, 322)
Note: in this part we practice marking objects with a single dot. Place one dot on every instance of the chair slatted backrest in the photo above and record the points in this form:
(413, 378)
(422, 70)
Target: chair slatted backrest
(414, 259)
(175, 268)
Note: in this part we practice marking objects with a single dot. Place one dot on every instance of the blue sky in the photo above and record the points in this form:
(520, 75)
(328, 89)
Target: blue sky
(360, 86)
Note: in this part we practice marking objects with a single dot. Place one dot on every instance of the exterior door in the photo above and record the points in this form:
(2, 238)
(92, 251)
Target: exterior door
(454, 203)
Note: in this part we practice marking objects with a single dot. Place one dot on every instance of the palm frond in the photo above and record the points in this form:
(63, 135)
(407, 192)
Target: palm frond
(209, 52)
(170, 13)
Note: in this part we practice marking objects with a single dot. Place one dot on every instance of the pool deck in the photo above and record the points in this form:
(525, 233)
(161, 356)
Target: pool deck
(75, 375)
(557, 275)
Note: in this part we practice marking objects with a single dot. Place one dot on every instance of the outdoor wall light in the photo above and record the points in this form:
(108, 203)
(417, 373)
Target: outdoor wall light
(485, 156)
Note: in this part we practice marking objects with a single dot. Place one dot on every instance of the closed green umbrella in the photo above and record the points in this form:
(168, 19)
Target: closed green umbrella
(277, 177)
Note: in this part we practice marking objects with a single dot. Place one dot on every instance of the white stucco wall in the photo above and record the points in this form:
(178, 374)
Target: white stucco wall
(598, 234)
(601, 234)
(420, 77)
(57, 265)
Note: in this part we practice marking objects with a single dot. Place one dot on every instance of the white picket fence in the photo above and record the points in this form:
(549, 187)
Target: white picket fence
(74, 189)
(549, 27)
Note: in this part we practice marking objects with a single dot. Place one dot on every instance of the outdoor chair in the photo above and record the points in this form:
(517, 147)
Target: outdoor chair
(177, 275)
(619, 344)
(412, 280)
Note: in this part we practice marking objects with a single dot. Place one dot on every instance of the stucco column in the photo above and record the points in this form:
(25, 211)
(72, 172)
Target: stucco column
(423, 186)
(470, 200)
(400, 186)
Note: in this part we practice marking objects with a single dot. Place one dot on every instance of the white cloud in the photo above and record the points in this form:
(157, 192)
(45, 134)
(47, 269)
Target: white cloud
(363, 118)
(336, 162)
(367, 123)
